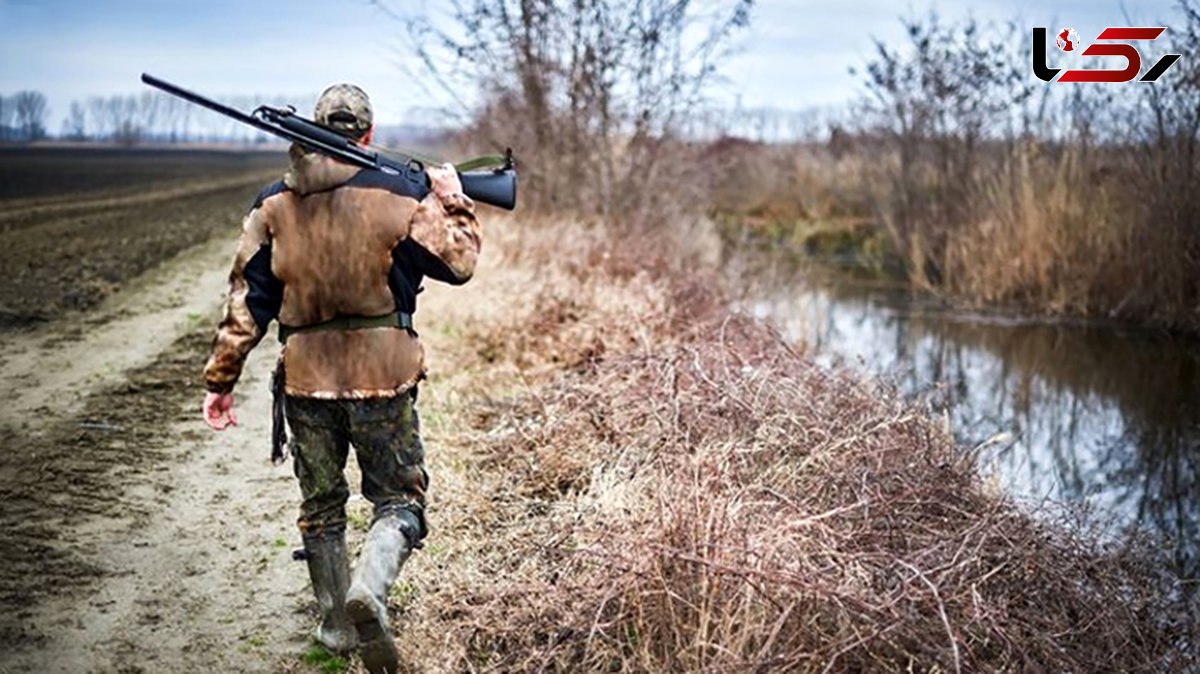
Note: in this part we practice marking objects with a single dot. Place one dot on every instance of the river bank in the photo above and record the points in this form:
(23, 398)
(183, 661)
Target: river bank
(1094, 414)
(1033, 228)
(646, 481)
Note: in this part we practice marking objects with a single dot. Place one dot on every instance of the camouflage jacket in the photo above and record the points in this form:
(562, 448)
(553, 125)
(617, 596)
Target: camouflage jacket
(330, 240)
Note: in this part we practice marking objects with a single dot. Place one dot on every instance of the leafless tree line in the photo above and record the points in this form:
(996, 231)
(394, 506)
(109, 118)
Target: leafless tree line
(765, 124)
(23, 116)
(156, 117)
(132, 119)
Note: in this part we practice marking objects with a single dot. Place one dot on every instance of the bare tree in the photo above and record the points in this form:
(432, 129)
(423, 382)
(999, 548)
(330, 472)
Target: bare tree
(148, 105)
(122, 113)
(591, 91)
(98, 115)
(7, 113)
(31, 113)
(172, 109)
(75, 125)
(935, 99)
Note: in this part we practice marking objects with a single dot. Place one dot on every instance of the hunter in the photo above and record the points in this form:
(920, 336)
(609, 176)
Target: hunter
(337, 255)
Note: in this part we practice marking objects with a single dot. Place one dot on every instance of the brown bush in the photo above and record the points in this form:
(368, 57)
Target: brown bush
(702, 498)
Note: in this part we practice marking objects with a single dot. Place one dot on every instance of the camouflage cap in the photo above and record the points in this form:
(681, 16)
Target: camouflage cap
(344, 108)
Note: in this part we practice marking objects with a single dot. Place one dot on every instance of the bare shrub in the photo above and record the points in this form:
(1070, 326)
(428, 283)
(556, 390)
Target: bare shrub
(593, 94)
(702, 498)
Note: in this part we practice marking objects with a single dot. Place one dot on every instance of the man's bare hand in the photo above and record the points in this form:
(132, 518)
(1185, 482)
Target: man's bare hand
(443, 180)
(218, 411)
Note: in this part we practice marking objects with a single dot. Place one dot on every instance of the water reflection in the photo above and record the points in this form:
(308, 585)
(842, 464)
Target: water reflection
(1095, 415)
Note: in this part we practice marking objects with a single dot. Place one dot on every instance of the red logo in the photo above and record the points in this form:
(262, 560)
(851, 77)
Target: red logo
(1068, 40)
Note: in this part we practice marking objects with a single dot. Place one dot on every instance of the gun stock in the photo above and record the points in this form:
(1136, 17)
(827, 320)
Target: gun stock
(498, 188)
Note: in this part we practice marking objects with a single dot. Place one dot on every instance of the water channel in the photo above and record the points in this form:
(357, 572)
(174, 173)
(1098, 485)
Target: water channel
(1077, 413)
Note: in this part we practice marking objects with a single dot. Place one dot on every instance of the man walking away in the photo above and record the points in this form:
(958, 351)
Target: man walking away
(337, 255)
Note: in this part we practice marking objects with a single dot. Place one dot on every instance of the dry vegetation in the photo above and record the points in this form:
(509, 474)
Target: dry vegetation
(646, 481)
(1048, 199)
(660, 485)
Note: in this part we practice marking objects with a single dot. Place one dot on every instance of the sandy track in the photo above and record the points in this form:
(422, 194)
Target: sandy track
(139, 541)
(196, 565)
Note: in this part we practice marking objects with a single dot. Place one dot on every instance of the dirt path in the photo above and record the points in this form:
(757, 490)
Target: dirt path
(157, 527)
(138, 541)
(175, 542)
(49, 371)
(195, 562)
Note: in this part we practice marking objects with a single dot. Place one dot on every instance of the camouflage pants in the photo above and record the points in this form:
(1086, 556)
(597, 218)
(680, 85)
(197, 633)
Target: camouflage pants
(385, 434)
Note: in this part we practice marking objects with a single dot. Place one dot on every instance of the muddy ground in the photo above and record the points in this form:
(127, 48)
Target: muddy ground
(81, 236)
(47, 174)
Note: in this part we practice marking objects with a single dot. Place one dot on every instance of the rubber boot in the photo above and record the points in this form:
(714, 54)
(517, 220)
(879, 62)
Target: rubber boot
(329, 570)
(387, 546)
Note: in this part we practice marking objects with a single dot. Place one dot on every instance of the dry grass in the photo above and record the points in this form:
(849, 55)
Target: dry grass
(1040, 200)
(629, 478)
(662, 486)
(1081, 234)
(1034, 227)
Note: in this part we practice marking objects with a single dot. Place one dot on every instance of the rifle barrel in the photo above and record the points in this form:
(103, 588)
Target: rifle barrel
(192, 97)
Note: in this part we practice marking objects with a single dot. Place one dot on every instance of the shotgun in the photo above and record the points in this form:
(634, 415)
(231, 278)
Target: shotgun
(491, 179)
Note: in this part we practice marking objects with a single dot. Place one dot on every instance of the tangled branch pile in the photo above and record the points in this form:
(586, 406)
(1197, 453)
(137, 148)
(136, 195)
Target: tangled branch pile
(685, 492)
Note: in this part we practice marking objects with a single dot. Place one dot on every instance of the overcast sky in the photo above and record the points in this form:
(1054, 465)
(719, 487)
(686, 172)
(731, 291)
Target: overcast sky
(795, 55)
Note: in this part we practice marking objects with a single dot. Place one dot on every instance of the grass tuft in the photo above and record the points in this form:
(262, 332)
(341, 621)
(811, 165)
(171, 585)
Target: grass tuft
(321, 659)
